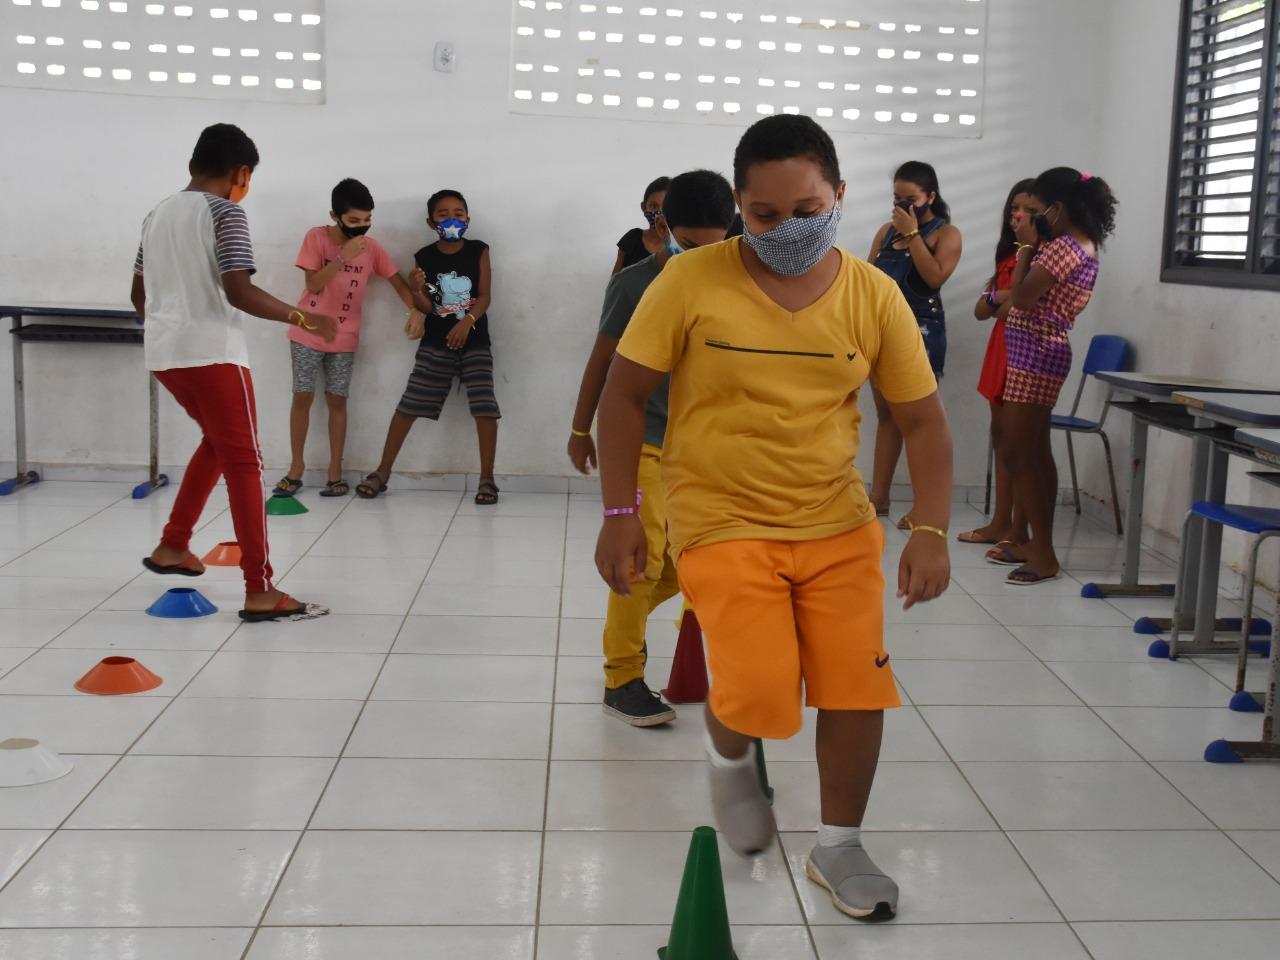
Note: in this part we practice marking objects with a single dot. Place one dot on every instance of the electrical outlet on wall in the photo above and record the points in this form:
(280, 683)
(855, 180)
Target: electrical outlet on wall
(445, 59)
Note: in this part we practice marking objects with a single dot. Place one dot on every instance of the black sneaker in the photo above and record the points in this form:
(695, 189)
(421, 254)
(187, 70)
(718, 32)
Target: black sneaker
(636, 704)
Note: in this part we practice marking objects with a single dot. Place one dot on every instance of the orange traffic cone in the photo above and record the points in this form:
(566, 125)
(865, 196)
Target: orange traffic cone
(225, 554)
(688, 683)
(118, 675)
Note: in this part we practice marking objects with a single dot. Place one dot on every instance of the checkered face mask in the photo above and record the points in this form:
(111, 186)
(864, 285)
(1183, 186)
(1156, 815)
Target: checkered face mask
(795, 246)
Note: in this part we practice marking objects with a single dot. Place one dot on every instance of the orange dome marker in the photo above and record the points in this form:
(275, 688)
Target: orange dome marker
(225, 554)
(116, 676)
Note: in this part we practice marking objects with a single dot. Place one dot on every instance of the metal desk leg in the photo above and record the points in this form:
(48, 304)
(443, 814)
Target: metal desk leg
(22, 477)
(155, 479)
(1129, 585)
(1268, 748)
(1203, 558)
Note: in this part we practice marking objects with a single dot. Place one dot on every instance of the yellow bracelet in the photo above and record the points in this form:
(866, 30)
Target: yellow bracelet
(928, 529)
(910, 236)
(579, 433)
(302, 320)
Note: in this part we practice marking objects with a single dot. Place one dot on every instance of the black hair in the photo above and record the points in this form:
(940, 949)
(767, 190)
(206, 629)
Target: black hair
(781, 137)
(1008, 242)
(349, 195)
(926, 178)
(699, 198)
(439, 195)
(657, 186)
(1088, 200)
(221, 149)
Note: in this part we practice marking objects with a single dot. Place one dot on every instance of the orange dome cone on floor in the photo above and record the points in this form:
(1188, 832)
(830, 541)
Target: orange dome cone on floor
(225, 554)
(116, 676)
(688, 683)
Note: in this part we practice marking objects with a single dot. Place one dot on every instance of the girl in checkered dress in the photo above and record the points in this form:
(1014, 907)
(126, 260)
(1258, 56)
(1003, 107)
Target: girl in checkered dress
(1052, 283)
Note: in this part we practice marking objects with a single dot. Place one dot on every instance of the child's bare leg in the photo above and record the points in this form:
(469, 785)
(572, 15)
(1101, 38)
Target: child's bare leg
(299, 422)
(728, 743)
(401, 424)
(848, 753)
(337, 434)
(487, 432)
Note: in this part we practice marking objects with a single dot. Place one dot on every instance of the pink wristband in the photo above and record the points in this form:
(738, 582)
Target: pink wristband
(625, 511)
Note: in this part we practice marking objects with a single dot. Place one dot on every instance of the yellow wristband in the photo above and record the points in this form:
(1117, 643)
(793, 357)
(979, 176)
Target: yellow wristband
(910, 236)
(579, 433)
(302, 320)
(928, 529)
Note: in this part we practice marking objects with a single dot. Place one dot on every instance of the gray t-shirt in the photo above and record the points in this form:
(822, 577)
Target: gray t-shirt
(620, 301)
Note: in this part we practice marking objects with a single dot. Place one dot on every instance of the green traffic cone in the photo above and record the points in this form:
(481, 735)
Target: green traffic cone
(700, 930)
(764, 774)
(284, 507)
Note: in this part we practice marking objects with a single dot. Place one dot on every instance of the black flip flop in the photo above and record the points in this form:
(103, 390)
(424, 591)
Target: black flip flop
(287, 487)
(487, 494)
(331, 488)
(174, 569)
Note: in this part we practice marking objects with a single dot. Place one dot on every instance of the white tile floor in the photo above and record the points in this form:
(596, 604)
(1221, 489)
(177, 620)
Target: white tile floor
(426, 774)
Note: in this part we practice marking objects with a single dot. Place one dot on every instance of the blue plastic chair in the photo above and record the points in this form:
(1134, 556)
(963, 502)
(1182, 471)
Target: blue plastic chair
(1107, 354)
(1264, 524)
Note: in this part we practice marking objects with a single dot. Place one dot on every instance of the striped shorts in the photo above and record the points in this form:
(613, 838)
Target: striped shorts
(434, 370)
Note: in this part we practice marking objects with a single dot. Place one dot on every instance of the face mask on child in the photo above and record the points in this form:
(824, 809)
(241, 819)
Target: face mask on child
(651, 216)
(796, 245)
(1043, 226)
(673, 245)
(451, 229)
(920, 212)
(353, 231)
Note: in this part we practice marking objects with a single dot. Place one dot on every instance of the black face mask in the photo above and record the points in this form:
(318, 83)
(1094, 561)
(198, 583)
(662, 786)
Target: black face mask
(353, 231)
(920, 211)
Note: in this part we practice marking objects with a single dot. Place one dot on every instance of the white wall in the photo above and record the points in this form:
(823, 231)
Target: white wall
(1210, 331)
(550, 195)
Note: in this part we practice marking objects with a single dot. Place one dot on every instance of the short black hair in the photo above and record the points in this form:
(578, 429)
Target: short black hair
(1089, 201)
(439, 195)
(222, 148)
(350, 194)
(657, 186)
(781, 137)
(699, 198)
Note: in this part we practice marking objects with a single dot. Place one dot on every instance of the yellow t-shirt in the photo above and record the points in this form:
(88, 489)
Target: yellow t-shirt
(763, 422)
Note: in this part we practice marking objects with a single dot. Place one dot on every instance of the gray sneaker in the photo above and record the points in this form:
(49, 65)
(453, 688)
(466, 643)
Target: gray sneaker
(636, 704)
(743, 812)
(857, 886)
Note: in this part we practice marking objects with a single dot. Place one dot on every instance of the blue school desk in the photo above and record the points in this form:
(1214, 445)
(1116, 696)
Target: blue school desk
(110, 332)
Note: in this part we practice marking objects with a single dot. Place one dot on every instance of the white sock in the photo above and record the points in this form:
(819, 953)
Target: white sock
(725, 763)
(839, 836)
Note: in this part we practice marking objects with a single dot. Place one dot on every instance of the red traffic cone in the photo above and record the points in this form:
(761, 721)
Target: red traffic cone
(688, 683)
(700, 930)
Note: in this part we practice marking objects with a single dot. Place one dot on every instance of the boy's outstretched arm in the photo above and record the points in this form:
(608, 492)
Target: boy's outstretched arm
(622, 549)
(243, 295)
(925, 569)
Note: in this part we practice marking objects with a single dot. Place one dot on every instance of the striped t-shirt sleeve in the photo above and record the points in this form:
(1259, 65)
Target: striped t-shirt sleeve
(231, 236)
(137, 261)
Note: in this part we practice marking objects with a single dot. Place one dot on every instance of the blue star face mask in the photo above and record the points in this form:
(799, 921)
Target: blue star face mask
(451, 229)
(673, 245)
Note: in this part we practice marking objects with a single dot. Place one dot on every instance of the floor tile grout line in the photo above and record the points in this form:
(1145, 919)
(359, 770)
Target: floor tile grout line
(551, 739)
(145, 730)
(337, 761)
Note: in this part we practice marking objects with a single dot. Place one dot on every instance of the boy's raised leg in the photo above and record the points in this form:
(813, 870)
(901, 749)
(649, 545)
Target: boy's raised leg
(743, 813)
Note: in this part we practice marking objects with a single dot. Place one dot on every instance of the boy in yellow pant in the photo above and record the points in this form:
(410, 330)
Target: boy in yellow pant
(697, 211)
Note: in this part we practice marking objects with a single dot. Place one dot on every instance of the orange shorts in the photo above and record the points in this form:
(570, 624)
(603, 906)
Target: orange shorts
(776, 613)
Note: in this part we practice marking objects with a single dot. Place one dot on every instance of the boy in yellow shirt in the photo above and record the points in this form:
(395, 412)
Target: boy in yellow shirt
(768, 339)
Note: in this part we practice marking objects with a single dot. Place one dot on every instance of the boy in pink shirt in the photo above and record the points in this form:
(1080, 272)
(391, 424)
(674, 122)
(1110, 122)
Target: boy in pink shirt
(339, 260)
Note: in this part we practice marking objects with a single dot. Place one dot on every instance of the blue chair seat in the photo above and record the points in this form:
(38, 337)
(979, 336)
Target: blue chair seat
(1239, 516)
(1063, 422)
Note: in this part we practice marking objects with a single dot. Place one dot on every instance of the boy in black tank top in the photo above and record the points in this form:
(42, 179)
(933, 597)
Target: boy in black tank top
(457, 278)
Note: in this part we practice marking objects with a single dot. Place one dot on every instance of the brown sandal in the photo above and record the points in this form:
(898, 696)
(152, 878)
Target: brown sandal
(366, 490)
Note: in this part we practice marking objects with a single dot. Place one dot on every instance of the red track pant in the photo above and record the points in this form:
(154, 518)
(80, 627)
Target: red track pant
(219, 398)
